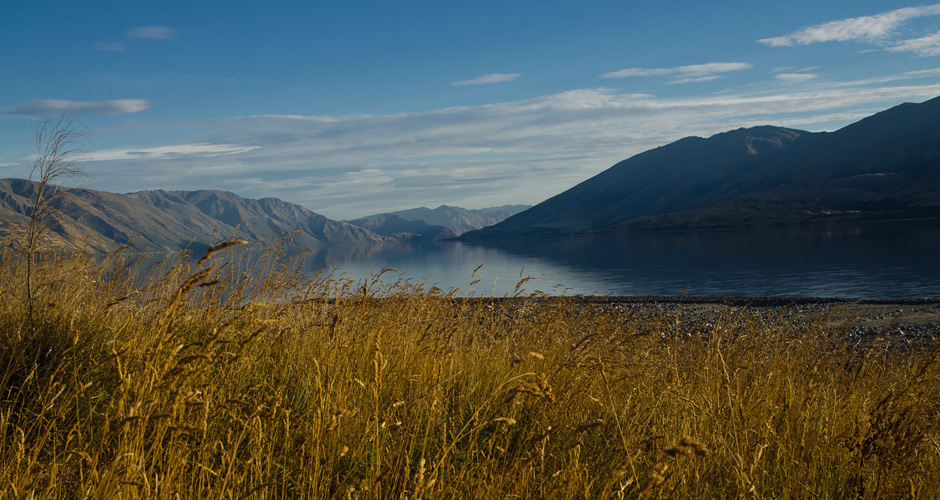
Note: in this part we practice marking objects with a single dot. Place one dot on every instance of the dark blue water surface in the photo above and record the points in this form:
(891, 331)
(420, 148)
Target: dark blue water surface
(867, 260)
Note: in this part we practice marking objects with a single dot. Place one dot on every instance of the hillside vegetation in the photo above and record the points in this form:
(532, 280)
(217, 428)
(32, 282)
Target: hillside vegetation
(163, 221)
(219, 379)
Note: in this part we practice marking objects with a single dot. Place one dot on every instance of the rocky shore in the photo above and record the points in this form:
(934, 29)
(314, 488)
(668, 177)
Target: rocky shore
(897, 323)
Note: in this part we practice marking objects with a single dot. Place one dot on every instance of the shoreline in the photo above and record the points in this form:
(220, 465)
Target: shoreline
(861, 321)
(753, 300)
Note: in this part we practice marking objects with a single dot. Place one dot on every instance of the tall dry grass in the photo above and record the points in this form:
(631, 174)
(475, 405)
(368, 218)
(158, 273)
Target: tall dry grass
(216, 379)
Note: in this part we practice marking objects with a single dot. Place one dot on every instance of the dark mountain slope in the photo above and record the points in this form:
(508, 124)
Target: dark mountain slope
(684, 174)
(760, 175)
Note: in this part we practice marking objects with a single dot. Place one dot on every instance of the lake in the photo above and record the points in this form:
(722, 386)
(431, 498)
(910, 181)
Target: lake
(862, 260)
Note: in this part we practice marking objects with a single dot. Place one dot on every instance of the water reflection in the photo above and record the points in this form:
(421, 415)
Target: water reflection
(874, 260)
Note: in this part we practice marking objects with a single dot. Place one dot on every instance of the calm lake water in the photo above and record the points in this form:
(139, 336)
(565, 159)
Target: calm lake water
(869, 260)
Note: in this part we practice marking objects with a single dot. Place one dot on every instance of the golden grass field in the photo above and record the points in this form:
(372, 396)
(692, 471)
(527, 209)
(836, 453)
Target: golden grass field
(202, 380)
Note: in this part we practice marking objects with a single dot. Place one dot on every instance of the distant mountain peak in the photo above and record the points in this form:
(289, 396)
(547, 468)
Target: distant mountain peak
(456, 219)
(394, 226)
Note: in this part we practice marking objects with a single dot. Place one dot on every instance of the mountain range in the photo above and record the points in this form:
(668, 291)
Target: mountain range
(171, 220)
(157, 221)
(398, 227)
(458, 220)
(886, 166)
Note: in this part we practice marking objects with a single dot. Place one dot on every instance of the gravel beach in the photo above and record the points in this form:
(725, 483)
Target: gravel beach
(897, 321)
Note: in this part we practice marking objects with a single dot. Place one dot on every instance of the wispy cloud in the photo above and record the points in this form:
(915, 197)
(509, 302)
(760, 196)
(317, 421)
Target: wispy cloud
(921, 73)
(795, 77)
(190, 151)
(46, 106)
(886, 79)
(153, 32)
(145, 32)
(876, 28)
(793, 69)
(694, 79)
(111, 46)
(488, 79)
(924, 46)
(691, 73)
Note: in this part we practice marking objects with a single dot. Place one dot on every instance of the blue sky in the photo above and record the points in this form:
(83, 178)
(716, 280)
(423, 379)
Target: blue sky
(351, 108)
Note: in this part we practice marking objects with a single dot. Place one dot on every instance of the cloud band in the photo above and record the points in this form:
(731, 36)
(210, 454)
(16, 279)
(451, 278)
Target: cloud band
(488, 79)
(47, 106)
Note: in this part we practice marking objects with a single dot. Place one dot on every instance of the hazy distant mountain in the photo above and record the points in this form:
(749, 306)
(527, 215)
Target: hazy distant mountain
(459, 220)
(399, 228)
(171, 220)
(885, 166)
